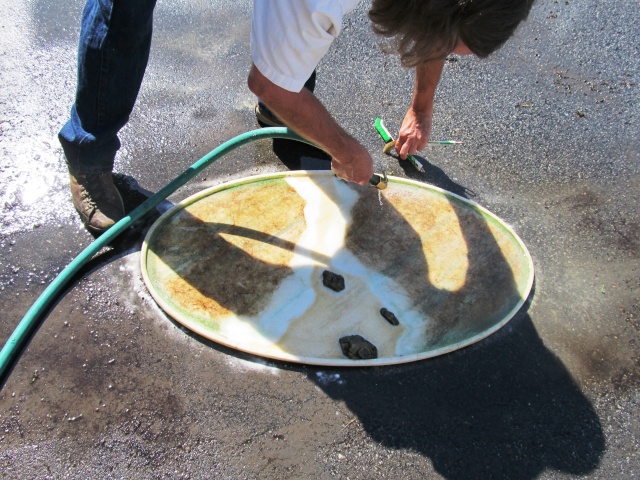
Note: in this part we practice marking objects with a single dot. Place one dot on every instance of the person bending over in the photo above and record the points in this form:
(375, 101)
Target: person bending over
(290, 37)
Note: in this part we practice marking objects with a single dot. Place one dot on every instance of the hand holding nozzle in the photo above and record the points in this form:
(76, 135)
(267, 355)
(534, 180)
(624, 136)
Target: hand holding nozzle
(390, 143)
(354, 164)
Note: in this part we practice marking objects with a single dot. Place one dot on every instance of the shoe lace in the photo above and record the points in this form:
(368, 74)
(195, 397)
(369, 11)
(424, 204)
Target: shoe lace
(96, 187)
(87, 198)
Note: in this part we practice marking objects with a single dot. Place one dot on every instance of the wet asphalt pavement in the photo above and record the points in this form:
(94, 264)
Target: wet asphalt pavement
(109, 387)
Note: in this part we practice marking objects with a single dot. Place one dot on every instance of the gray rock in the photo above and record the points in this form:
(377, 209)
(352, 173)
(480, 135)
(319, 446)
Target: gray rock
(356, 347)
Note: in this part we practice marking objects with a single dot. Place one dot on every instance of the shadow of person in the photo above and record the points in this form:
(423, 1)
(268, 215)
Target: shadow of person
(433, 175)
(505, 408)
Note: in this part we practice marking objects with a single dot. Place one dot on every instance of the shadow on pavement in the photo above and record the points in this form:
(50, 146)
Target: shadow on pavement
(504, 408)
(434, 176)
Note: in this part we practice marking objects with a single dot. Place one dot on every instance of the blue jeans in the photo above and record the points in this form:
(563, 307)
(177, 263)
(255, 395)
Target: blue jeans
(113, 51)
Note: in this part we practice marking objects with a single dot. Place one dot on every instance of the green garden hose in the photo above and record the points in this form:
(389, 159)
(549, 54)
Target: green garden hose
(23, 332)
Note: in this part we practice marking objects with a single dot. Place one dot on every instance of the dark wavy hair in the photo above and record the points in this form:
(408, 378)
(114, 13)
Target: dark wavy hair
(430, 29)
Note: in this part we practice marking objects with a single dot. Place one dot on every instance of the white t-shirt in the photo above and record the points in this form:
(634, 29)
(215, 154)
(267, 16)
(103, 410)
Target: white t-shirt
(290, 37)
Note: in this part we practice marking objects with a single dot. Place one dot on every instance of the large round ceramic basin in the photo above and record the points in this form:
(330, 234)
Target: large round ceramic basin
(243, 264)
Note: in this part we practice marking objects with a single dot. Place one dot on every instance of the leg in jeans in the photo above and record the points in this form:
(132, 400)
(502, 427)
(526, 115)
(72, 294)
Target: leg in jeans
(112, 56)
(113, 51)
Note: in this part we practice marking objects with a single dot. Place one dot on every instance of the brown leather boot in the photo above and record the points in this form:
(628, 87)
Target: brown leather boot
(97, 200)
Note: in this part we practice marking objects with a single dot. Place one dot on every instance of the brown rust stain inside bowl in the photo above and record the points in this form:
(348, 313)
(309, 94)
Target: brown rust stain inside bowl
(226, 253)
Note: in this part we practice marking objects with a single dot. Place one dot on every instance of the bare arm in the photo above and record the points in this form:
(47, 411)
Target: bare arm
(416, 126)
(304, 113)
